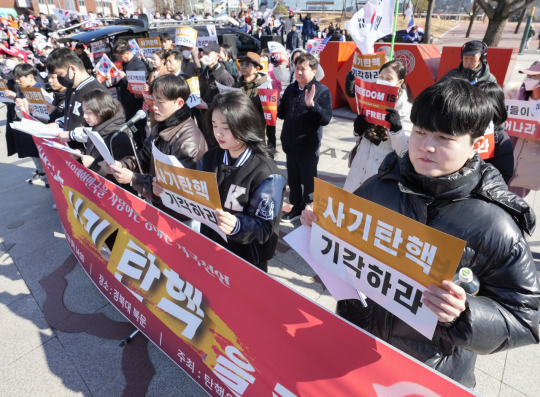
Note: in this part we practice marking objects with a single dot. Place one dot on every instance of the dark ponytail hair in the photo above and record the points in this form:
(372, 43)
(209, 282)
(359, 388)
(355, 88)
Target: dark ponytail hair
(243, 120)
(102, 104)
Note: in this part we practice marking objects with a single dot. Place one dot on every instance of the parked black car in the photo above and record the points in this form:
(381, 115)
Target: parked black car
(128, 29)
(399, 37)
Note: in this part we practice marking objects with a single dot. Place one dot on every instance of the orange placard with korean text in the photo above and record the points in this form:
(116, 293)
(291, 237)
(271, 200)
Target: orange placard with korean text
(149, 45)
(186, 36)
(366, 67)
(35, 99)
(189, 192)
(388, 257)
(440, 252)
(3, 89)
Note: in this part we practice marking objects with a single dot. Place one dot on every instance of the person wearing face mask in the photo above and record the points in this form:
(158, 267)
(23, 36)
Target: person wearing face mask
(242, 162)
(56, 108)
(287, 75)
(526, 151)
(213, 73)
(175, 134)
(191, 65)
(70, 73)
(442, 182)
(473, 66)
(374, 142)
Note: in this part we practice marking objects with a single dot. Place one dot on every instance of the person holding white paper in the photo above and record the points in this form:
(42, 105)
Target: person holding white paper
(442, 182)
(175, 134)
(105, 116)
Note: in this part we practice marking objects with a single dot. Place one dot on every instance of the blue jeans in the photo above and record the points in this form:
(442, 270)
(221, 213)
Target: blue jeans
(305, 38)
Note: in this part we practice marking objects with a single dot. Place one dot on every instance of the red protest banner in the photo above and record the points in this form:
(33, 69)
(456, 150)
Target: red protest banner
(487, 150)
(372, 99)
(520, 122)
(210, 311)
(269, 100)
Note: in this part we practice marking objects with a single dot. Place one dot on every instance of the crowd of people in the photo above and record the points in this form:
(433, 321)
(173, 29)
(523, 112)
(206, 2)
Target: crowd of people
(425, 165)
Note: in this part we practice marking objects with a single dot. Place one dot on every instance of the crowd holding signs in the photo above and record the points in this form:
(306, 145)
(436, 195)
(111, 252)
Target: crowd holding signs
(176, 226)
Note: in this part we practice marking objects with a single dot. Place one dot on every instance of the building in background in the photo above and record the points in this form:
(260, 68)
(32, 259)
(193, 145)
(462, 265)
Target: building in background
(27, 7)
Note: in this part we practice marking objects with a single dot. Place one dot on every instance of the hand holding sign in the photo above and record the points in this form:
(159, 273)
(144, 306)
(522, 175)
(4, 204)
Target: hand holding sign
(156, 188)
(447, 305)
(226, 221)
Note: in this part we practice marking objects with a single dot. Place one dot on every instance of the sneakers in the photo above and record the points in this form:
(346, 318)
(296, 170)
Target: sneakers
(37, 176)
(293, 215)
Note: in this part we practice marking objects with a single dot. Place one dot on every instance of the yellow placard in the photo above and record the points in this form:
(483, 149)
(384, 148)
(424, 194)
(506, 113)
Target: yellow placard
(368, 61)
(420, 252)
(149, 42)
(186, 36)
(34, 96)
(194, 85)
(198, 186)
(3, 86)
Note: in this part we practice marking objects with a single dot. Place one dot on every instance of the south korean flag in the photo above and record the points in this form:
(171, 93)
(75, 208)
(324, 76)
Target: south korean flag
(104, 66)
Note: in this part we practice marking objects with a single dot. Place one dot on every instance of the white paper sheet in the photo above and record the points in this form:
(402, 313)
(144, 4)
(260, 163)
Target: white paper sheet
(59, 146)
(223, 88)
(165, 159)
(100, 145)
(299, 241)
(40, 131)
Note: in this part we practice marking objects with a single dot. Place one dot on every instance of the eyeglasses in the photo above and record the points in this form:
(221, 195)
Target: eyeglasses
(246, 64)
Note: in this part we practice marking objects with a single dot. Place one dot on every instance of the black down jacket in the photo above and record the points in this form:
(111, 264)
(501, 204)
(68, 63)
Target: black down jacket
(474, 205)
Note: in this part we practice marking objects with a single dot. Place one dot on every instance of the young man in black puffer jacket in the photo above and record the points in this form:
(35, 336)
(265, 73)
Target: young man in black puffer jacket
(305, 107)
(443, 183)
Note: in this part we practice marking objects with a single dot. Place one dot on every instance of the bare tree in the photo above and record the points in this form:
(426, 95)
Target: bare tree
(498, 12)
(475, 9)
(427, 29)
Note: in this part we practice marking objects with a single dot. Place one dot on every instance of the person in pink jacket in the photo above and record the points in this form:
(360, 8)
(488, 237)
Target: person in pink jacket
(527, 151)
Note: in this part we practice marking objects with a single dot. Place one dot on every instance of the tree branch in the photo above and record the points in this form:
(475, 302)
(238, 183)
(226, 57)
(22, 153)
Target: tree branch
(525, 5)
(488, 9)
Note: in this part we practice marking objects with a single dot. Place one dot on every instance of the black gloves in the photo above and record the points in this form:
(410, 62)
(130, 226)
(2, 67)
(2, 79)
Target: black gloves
(360, 125)
(349, 85)
(393, 118)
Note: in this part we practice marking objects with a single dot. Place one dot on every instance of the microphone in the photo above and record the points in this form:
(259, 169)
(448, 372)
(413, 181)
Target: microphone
(127, 127)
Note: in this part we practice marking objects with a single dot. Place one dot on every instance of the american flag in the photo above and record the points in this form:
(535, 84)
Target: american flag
(323, 44)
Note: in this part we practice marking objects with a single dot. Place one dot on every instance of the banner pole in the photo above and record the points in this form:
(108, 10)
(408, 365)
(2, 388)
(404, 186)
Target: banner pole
(394, 30)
